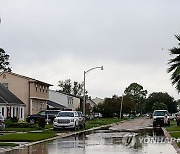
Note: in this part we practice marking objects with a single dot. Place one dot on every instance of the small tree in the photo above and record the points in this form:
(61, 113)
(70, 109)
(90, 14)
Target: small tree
(4, 61)
(42, 123)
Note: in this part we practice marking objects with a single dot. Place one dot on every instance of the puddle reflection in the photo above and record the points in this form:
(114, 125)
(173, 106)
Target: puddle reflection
(103, 141)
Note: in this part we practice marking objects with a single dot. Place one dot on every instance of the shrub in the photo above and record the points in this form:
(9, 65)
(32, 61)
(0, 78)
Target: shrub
(41, 123)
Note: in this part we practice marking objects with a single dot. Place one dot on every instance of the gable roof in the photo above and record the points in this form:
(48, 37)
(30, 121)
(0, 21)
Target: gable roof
(56, 105)
(28, 78)
(7, 97)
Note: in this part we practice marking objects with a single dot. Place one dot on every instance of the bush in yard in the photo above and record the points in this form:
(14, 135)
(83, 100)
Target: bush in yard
(14, 119)
(41, 123)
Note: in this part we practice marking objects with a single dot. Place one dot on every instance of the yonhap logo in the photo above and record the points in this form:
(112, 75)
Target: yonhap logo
(158, 140)
(128, 139)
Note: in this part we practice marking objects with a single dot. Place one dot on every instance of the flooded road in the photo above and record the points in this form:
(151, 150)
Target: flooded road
(105, 142)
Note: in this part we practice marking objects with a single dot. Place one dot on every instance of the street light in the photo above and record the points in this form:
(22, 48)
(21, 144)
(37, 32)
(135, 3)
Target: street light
(84, 97)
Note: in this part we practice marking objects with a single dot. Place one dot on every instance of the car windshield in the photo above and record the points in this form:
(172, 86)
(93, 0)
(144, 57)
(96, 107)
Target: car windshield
(65, 114)
(160, 113)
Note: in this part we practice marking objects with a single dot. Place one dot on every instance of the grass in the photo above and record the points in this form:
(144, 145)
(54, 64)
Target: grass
(27, 137)
(26, 129)
(100, 122)
(174, 130)
(8, 144)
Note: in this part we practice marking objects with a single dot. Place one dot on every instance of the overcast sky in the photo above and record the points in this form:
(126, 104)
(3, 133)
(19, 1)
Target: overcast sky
(52, 40)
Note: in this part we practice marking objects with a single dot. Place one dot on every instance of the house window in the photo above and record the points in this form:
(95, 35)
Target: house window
(40, 89)
(21, 113)
(5, 85)
(70, 100)
(43, 89)
(13, 111)
(46, 89)
(36, 87)
(3, 111)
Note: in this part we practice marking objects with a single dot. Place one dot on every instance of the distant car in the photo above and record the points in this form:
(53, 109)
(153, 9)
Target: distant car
(66, 119)
(82, 120)
(97, 115)
(159, 118)
(49, 116)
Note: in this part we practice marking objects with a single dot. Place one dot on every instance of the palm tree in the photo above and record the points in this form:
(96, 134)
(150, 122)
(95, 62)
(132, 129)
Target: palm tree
(175, 65)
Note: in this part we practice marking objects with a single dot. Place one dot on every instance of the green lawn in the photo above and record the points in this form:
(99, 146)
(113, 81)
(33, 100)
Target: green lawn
(8, 144)
(174, 130)
(100, 122)
(26, 137)
(26, 129)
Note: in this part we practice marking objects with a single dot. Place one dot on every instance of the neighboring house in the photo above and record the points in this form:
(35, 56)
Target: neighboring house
(32, 92)
(89, 106)
(98, 100)
(10, 105)
(54, 105)
(67, 100)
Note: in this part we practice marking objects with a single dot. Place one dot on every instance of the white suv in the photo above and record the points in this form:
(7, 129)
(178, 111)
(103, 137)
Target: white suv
(66, 119)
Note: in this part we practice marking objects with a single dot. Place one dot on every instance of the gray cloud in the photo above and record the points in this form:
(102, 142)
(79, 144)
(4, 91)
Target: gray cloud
(72, 36)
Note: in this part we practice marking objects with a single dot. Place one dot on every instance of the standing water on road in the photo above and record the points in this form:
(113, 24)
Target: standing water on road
(105, 141)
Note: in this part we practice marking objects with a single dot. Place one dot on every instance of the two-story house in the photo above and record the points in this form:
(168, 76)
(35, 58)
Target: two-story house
(32, 92)
(67, 100)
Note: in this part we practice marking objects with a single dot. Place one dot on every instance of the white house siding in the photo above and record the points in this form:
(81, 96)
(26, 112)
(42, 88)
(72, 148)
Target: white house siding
(68, 101)
(14, 111)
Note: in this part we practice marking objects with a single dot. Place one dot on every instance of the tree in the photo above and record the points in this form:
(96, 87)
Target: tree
(175, 65)
(161, 101)
(111, 106)
(65, 86)
(137, 95)
(74, 88)
(4, 61)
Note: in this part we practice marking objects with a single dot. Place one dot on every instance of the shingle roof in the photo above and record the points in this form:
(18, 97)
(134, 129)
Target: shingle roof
(8, 97)
(56, 105)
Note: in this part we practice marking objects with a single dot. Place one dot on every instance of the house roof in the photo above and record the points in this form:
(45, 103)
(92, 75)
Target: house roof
(55, 105)
(7, 97)
(60, 92)
(25, 77)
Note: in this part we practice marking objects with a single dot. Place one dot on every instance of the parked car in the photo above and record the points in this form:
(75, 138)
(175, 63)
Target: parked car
(97, 115)
(82, 120)
(66, 119)
(177, 117)
(159, 118)
(49, 116)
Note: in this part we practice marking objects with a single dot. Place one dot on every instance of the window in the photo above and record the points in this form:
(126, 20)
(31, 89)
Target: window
(5, 85)
(3, 111)
(70, 100)
(40, 89)
(46, 89)
(21, 113)
(43, 89)
(13, 111)
(36, 87)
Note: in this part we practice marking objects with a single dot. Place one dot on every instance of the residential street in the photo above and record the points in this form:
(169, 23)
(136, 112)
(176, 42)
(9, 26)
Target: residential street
(132, 125)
